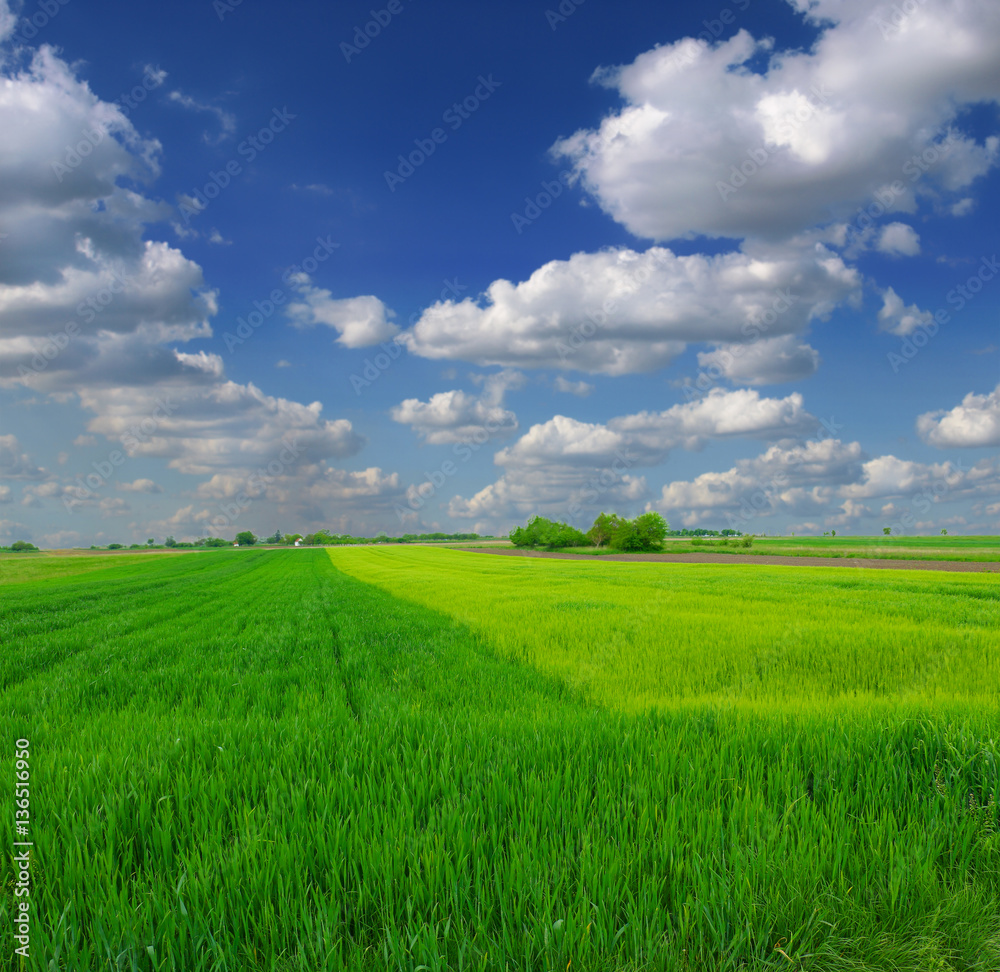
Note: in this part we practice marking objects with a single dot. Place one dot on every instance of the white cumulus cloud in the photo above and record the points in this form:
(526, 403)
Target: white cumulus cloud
(359, 321)
(974, 423)
(620, 312)
(703, 144)
(896, 318)
(766, 362)
(456, 416)
(829, 479)
(141, 486)
(90, 310)
(579, 388)
(565, 467)
(898, 239)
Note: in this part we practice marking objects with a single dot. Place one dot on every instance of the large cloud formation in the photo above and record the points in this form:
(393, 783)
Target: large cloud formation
(620, 312)
(830, 480)
(737, 140)
(91, 309)
(563, 467)
(778, 150)
(707, 144)
(572, 469)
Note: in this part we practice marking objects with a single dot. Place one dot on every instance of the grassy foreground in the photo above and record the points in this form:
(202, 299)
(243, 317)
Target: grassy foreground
(251, 760)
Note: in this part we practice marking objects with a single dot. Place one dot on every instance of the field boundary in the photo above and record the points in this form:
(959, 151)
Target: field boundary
(978, 566)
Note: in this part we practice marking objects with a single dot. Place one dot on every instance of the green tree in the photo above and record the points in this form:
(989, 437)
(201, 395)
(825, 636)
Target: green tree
(944, 533)
(151, 541)
(645, 532)
(652, 530)
(245, 538)
(603, 529)
(565, 535)
(540, 532)
(170, 542)
(526, 536)
(626, 537)
(22, 546)
(887, 530)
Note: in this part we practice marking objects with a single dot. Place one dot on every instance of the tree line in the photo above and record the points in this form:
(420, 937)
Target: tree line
(247, 538)
(325, 538)
(645, 533)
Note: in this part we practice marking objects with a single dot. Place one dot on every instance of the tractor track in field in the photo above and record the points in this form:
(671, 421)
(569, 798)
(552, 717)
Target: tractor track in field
(768, 560)
(338, 652)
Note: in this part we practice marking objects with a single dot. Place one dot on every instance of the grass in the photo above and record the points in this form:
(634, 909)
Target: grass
(633, 636)
(264, 762)
(18, 568)
(974, 548)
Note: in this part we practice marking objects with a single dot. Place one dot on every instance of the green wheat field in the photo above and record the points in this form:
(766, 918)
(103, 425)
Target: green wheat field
(407, 758)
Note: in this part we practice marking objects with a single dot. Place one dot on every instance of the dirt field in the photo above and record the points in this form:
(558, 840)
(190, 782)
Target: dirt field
(713, 558)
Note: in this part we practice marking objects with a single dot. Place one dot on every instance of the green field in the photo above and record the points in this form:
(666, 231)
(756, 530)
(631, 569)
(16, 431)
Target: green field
(974, 548)
(415, 758)
(633, 636)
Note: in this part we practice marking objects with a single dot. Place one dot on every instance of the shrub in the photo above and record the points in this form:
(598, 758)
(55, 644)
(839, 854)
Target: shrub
(540, 532)
(651, 529)
(645, 532)
(627, 538)
(603, 529)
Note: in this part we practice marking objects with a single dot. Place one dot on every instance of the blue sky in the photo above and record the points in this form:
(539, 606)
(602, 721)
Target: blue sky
(733, 262)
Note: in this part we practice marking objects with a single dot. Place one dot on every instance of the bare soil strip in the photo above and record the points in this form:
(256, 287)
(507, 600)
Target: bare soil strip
(713, 558)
